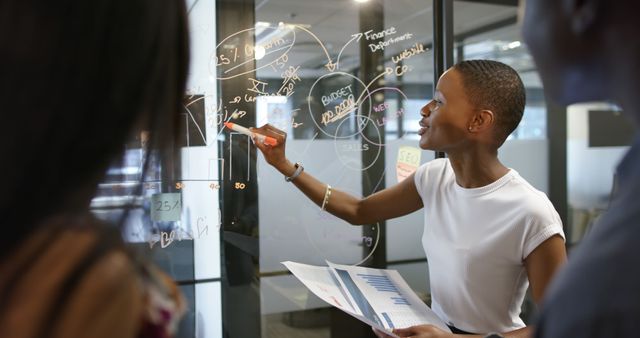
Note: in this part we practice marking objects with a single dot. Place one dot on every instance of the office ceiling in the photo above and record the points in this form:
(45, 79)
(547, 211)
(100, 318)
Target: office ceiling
(489, 31)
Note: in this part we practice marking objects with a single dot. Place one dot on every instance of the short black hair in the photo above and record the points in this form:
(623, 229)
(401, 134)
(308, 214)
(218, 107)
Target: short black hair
(495, 86)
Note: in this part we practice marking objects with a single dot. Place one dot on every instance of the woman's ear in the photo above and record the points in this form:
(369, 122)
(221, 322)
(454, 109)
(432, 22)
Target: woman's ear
(482, 120)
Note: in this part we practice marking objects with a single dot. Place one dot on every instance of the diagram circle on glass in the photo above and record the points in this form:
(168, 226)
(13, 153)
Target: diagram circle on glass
(390, 114)
(334, 98)
(348, 151)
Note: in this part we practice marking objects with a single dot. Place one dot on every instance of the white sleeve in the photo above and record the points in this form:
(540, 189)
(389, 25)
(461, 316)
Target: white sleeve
(426, 173)
(420, 179)
(541, 226)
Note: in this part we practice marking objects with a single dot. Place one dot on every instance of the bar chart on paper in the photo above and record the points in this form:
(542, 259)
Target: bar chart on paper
(383, 284)
(377, 297)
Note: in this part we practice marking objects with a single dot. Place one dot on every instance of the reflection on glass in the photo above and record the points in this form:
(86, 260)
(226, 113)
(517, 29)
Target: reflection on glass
(340, 124)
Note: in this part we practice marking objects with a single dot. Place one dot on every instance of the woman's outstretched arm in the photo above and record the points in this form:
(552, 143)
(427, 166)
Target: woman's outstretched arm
(396, 201)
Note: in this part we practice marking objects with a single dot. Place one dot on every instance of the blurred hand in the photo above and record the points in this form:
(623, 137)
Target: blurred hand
(274, 155)
(380, 334)
(423, 331)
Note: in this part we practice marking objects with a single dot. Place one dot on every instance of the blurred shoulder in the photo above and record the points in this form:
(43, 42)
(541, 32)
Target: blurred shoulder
(72, 278)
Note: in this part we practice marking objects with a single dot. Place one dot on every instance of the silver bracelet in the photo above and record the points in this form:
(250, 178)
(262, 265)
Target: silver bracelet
(299, 169)
(327, 194)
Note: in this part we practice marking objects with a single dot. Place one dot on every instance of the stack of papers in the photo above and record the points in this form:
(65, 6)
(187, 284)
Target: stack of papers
(380, 298)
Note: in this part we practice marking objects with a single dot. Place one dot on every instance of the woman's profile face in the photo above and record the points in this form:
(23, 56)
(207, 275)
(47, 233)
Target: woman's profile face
(445, 119)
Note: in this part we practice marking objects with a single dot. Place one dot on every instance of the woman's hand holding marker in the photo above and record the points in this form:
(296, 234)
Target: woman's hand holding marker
(242, 130)
(274, 154)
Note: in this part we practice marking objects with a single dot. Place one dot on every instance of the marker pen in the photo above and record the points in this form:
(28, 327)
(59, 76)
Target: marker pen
(242, 130)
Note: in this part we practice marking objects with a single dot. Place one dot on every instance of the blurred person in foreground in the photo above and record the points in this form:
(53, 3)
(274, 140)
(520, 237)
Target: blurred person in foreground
(77, 78)
(590, 51)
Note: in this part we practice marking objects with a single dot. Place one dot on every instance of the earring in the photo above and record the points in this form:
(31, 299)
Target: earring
(470, 128)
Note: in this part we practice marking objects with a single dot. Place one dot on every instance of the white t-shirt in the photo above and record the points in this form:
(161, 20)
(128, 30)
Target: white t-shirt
(476, 241)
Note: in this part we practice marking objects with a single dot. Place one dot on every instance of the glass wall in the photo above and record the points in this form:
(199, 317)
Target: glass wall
(349, 80)
(345, 80)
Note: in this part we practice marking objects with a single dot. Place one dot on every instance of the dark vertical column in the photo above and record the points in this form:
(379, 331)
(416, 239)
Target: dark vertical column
(171, 170)
(442, 37)
(371, 66)
(400, 85)
(442, 41)
(239, 195)
(459, 50)
(557, 135)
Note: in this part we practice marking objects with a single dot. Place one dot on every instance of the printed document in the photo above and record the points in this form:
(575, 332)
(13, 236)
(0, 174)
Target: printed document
(380, 298)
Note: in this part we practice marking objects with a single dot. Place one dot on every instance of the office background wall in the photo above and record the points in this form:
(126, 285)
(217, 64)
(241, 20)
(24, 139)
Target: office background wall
(591, 165)
(346, 81)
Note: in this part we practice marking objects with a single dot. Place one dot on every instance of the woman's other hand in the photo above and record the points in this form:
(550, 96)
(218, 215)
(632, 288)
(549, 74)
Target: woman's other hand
(380, 334)
(418, 331)
(423, 331)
